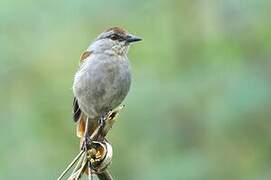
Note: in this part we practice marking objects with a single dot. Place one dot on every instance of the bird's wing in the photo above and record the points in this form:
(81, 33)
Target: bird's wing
(78, 115)
(76, 110)
(79, 118)
(84, 56)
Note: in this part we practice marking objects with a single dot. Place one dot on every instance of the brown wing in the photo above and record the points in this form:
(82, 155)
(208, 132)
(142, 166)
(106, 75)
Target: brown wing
(85, 55)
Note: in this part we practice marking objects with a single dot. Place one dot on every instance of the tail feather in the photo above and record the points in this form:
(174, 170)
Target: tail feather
(80, 127)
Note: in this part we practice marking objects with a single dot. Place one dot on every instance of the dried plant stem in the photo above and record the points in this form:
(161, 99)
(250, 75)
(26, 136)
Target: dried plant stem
(82, 169)
(80, 161)
(89, 171)
(70, 165)
(105, 175)
(83, 163)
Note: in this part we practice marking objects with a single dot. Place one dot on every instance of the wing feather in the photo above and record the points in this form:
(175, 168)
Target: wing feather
(78, 115)
(76, 110)
(85, 55)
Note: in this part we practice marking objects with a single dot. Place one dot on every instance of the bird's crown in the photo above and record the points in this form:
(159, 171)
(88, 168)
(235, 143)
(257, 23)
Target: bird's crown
(113, 40)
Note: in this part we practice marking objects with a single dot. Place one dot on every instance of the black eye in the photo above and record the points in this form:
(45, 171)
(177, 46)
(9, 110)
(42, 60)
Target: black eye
(114, 37)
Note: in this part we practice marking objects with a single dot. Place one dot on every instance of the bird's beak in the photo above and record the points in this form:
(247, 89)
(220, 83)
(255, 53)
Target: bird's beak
(131, 38)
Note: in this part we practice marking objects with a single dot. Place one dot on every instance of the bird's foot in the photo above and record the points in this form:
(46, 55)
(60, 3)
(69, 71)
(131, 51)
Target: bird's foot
(101, 121)
(86, 143)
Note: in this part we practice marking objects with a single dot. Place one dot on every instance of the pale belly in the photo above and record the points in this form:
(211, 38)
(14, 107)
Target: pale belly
(101, 85)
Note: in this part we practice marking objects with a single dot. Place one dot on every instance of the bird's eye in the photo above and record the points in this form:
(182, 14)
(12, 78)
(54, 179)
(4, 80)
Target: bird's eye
(114, 37)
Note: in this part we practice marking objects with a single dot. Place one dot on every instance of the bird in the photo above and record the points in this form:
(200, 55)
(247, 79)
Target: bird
(102, 80)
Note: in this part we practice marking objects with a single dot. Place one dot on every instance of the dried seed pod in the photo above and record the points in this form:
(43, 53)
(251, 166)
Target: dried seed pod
(110, 119)
(100, 155)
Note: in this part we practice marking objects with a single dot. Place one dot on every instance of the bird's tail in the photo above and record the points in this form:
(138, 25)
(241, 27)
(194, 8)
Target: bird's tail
(80, 127)
(83, 126)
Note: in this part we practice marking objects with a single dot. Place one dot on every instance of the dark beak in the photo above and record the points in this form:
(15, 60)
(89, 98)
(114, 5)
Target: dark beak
(131, 38)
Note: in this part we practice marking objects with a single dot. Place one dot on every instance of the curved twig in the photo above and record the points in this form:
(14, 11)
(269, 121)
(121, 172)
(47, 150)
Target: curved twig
(100, 132)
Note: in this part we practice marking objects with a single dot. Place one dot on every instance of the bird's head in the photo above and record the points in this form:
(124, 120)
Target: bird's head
(113, 41)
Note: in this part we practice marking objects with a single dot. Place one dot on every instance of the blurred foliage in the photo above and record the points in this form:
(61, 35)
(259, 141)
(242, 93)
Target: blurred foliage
(199, 105)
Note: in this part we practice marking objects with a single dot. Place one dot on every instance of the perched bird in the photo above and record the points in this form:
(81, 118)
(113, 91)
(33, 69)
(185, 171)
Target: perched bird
(102, 80)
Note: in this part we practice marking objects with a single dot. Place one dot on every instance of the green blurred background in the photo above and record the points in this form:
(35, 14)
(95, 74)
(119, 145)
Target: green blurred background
(200, 103)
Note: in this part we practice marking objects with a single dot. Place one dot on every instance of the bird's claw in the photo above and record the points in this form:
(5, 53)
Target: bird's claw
(101, 121)
(86, 143)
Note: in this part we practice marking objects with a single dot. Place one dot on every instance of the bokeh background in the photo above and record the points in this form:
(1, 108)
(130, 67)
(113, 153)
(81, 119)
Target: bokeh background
(200, 102)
